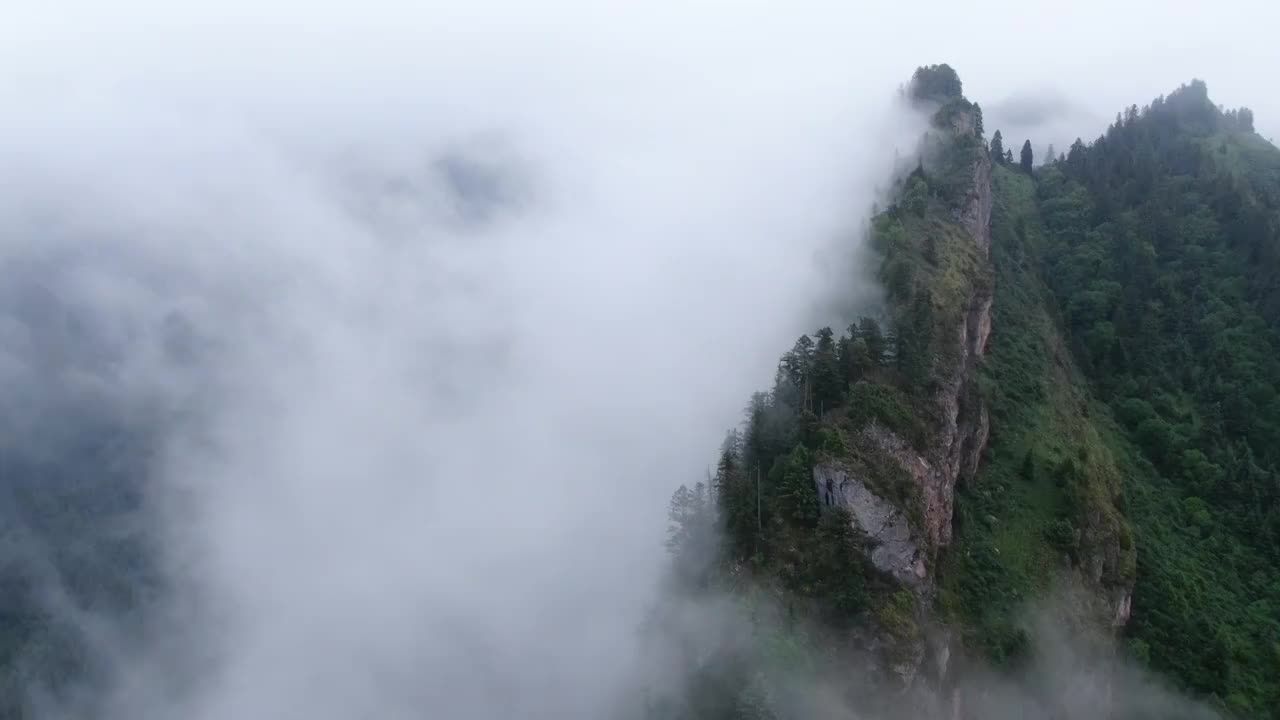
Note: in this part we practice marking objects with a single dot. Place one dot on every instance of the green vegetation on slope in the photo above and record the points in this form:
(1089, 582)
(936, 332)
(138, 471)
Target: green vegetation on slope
(1133, 386)
(1164, 250)
(813, 559)
(1159, 243)
(1047, 492)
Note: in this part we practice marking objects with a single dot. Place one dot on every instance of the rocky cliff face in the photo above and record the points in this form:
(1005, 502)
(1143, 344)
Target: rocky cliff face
(905, 541)
(907, 531)
(896, 549)
(960, 426)
(975, 213)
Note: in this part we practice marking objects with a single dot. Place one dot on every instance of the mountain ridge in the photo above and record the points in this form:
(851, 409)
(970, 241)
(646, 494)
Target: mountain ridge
(915, 432)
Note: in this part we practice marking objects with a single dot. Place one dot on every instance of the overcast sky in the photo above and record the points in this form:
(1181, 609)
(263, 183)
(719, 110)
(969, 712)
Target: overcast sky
(478, 284)
(1098, 56)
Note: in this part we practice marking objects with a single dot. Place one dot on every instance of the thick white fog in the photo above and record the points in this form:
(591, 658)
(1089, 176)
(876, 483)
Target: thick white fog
(463, 290)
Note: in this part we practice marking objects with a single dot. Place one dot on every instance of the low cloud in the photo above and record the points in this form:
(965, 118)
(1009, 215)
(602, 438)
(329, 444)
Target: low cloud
(1046, 117)
(413, 319)
(420, 354)
(748, 650)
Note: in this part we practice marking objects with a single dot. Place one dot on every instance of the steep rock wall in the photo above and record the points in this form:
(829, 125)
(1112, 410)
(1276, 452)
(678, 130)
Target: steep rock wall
(959, 431)
(895, 549)
(903, 543)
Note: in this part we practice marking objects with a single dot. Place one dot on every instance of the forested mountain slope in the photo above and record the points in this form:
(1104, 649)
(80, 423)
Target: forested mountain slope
(1163, 241)
(1068, 397)
(836, 496)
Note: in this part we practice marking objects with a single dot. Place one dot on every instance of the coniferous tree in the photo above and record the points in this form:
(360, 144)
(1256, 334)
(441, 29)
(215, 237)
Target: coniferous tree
(827, 379)
(692, 533)
(736, 498)
(757, 447)
(997, 147)
(874, 339)
(796, 365)
(857, 361)
(916, 196)
(1244, 120)
(1027, 157)
(792, 489)
(915, 339)
(1075, 156)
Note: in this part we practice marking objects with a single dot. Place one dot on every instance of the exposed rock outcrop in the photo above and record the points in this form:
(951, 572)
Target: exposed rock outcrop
(959, 431)
(894, 550)
(965, 427)
(962, 433)
(975, 212)
(905, 540)
(898, 480)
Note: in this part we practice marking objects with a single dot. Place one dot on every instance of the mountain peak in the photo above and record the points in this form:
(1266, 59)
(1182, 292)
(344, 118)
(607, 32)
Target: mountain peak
(935, 83)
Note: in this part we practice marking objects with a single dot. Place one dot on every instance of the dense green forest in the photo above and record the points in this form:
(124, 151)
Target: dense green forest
(1131, 382)
(1161, 243)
